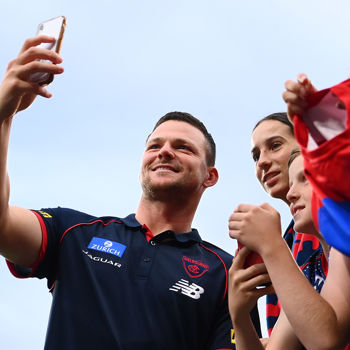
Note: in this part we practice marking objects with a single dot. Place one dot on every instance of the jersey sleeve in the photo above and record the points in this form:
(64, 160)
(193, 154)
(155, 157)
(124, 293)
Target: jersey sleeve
(324, 136)
(53, 222)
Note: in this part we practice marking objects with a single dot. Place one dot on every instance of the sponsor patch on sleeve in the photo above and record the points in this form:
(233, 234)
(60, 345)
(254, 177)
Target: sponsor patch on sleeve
(45, 214)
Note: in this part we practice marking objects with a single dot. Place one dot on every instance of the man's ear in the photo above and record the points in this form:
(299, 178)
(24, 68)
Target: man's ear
(212, 177)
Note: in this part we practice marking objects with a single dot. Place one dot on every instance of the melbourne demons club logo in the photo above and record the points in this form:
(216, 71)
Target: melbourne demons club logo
(194, 268)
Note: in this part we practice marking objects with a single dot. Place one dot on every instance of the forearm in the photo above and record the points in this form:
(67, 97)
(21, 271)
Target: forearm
(5, 127)
(20, 232)
(311, 317)
(246, 337)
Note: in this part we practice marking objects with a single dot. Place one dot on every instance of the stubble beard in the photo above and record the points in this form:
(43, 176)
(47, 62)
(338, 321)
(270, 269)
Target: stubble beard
(163, 192)
(173, 190)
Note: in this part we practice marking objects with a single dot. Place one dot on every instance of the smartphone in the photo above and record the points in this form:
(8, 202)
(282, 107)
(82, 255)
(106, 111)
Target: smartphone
(53, 27)
(252, 258)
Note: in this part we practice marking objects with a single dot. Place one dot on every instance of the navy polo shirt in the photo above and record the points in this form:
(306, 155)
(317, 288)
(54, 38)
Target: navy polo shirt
(116, 286)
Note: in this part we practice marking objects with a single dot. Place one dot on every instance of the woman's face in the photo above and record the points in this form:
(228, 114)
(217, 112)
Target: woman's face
(299, 196)
(272, 143)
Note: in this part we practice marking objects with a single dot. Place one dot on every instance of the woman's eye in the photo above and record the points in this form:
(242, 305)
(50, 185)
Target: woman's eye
(275, 145)
(255, 157)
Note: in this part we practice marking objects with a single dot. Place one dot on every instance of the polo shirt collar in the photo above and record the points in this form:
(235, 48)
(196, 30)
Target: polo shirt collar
(131, 221)
(193, 235)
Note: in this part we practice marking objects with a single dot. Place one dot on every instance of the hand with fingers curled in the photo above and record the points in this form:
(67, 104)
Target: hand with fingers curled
(296, 94)
(256, 227)
(17, 92)
(245, 285)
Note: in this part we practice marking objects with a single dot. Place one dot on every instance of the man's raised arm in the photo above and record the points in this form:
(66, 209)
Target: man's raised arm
(20, 232)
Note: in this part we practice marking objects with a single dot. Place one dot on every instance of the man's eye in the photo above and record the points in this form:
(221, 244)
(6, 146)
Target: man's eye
(153, 146)
(184, 147)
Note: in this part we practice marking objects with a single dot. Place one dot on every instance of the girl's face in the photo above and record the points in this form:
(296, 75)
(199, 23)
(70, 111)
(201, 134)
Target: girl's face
(299, 196)
(272, 143)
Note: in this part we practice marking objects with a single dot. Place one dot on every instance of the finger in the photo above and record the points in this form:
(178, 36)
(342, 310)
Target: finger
(260, 268)
(303, 86)
(234, 229)
(239, 259)
(293, 110)
(37, 53)
(41, 91)
(306, 82)
(37, 66)
(302, 78)
(296, 105)
(264, 279)
(294, 96)
(242, 208)
(270, 211)
(266, 206)
(234, 233)
(236, 216)
(293, 86)
(24, 87)
(37, 40)
(256, 281)
(241, 255)
(265, 290)
(256, 270)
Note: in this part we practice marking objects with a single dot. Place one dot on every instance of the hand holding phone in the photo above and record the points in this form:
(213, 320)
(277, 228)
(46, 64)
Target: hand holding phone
(54, 27)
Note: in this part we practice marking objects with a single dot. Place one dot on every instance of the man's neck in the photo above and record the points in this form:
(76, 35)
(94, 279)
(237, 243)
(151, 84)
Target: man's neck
(160, 216)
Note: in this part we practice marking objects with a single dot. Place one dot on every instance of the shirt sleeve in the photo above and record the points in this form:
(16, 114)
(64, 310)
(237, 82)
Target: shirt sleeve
(53, 222)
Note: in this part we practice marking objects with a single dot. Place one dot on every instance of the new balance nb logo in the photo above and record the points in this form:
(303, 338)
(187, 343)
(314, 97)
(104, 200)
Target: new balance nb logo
(191, 290)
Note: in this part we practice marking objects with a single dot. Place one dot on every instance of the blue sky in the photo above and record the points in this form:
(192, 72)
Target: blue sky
(126, 64)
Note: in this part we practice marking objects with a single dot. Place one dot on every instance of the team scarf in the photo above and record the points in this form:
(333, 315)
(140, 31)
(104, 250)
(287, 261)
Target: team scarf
(323, 133)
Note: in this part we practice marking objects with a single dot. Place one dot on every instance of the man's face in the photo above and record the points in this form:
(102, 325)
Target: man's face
(272, 144)
(174, 161)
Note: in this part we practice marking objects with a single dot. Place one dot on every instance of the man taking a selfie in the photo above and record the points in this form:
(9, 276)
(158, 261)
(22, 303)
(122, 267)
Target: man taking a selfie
(146, 281)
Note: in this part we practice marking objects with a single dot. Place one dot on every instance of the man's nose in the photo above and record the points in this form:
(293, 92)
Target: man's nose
(166, 151)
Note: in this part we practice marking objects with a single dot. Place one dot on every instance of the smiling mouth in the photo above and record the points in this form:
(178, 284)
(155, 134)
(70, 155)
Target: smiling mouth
(164, 168)
(269, 179)
(297, 210)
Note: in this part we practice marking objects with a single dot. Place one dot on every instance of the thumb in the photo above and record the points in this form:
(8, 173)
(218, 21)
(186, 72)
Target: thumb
(240, 257)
